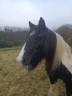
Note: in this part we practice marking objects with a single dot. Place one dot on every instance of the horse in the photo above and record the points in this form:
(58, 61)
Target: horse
(43, 43)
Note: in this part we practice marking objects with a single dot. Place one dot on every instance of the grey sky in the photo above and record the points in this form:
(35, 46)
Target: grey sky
(19, 12)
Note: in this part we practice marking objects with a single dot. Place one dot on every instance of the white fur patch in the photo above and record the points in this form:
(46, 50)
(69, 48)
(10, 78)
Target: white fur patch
(63, 54)
(20, 56)
(67, 61)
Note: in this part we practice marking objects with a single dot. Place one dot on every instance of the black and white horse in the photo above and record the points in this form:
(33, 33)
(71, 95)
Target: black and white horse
(44, 43)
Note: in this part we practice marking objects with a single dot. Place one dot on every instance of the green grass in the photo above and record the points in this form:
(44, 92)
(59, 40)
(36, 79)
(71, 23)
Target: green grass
(15, 80)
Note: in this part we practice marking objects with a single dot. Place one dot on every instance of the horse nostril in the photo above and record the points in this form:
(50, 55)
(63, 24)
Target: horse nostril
(24, 60)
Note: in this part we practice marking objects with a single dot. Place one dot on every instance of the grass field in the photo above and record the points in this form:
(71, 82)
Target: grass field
(16, 81)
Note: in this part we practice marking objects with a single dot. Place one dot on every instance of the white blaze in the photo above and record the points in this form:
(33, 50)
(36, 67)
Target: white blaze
(21, 54)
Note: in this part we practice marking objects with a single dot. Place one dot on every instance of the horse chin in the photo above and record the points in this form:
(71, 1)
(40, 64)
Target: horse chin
(29, 67)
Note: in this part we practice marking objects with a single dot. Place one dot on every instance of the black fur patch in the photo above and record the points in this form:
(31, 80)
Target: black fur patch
(63, 73)
(50, 49)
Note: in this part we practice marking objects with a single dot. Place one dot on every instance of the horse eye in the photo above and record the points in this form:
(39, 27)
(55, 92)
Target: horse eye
(37, 48)
(30, 50)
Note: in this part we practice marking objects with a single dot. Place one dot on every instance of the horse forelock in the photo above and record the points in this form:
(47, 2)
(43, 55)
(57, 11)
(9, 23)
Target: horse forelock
(32, 33)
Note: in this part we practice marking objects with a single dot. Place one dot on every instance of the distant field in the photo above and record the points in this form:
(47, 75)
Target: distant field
(16, 81)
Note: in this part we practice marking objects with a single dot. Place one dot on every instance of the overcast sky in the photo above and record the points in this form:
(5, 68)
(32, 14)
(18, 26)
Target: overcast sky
(20, 12)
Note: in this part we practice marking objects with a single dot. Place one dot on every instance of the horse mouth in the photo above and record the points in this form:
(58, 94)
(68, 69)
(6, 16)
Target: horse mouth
(28, 67)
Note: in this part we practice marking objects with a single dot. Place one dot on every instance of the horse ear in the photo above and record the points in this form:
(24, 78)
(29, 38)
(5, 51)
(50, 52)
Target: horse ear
(32, 26)
(42, 23)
